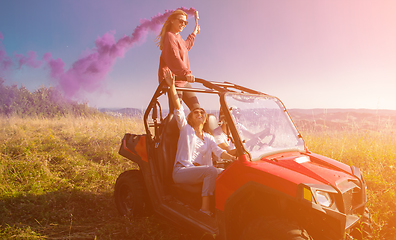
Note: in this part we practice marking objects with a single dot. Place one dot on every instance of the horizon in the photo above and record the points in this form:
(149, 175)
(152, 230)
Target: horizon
(288, 109)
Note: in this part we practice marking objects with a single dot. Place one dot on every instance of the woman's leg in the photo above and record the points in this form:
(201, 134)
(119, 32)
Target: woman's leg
(192, 175)
(205, 204)
(197, 174)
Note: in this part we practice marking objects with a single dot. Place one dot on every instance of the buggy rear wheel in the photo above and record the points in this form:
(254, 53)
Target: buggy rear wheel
(130, 194)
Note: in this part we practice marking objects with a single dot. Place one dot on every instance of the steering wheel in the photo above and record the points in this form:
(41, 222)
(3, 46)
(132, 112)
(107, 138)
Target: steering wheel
(257, 140)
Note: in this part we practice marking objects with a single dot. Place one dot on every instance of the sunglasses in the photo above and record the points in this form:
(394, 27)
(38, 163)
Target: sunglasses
(199, 112)
(181, 21)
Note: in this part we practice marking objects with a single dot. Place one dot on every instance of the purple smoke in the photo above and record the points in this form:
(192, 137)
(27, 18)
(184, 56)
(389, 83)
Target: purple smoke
(88, 73)
(29, 60)
(5, 61)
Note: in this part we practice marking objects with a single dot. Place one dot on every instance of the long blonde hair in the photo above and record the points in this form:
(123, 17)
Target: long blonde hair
(166, 27)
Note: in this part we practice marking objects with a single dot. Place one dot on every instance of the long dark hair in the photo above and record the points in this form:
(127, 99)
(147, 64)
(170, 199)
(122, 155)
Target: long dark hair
(189, 116)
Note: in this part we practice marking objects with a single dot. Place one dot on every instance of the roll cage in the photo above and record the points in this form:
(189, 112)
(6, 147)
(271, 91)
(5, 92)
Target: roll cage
(209, 87)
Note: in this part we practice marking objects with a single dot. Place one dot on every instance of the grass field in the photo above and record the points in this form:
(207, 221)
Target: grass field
(374, 152)
(57, 178)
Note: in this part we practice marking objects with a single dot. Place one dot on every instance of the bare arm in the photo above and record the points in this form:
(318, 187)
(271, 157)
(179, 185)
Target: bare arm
(226, 147)
(170, 80)
(196, 29)
(227, 156)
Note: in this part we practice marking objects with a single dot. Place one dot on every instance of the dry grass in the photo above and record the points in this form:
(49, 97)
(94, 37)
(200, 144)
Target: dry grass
(374, 152)
(57, 177)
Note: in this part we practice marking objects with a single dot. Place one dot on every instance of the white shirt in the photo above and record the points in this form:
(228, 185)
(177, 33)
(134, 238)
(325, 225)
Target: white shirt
(220, 137)
(191, 148)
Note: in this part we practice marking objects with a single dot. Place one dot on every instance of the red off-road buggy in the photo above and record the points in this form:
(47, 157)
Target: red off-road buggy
(277, 189)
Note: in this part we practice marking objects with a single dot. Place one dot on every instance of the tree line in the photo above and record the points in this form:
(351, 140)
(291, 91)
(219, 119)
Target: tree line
(43, 102)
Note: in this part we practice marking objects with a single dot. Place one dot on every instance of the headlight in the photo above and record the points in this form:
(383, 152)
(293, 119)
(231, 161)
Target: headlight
(323, 195)
(324, 198)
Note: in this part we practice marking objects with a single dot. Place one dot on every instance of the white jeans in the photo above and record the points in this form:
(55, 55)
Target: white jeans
(197, 174)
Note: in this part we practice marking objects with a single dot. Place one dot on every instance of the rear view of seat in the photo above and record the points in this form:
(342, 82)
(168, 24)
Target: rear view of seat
(211, 123)
(168, 148)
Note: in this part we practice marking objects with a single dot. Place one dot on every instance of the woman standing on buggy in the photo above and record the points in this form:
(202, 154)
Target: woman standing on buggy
(174, 55)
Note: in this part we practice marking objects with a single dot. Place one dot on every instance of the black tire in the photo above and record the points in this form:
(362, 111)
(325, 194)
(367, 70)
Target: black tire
(364, 230)
(130, 194)
(274, 229)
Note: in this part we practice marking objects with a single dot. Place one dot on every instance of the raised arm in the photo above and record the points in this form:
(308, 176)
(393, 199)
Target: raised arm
(170, 80)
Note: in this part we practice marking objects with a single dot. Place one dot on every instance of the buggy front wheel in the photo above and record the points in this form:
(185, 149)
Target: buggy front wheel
(272, 228)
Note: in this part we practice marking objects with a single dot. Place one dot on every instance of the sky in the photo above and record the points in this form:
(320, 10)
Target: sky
(309, 53)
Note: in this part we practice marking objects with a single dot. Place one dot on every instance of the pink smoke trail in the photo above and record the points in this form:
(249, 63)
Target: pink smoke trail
(5, 61)
(29, 60)
(88, 73)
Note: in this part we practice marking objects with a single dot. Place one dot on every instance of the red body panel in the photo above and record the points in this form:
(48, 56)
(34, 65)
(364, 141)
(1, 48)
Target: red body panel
(141, 148)
(282, 174)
